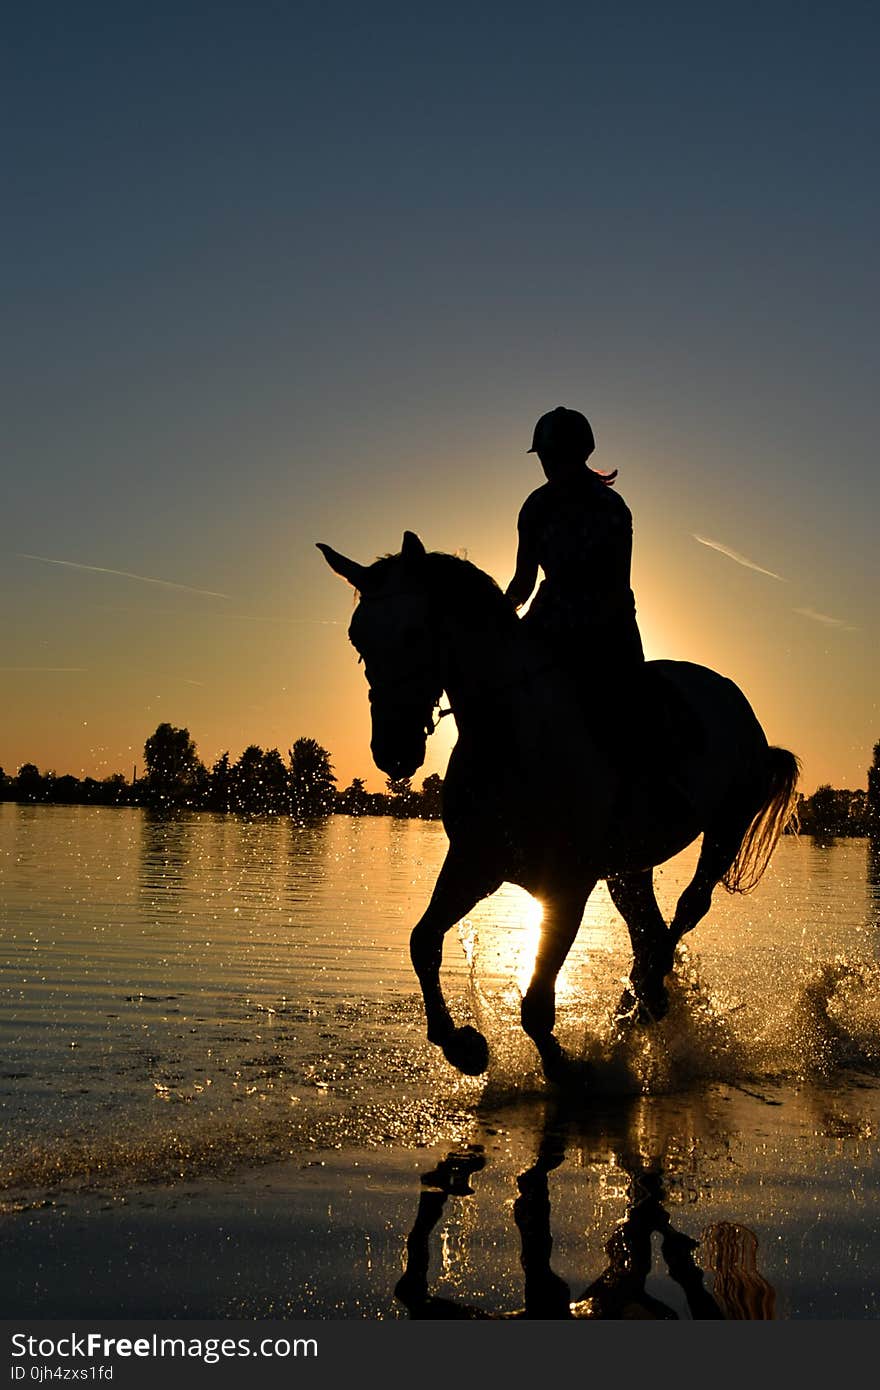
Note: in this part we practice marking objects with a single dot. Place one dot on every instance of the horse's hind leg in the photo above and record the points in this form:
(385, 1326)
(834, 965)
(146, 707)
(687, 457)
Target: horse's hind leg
(459, 887)
(652, 943)
(719, 849)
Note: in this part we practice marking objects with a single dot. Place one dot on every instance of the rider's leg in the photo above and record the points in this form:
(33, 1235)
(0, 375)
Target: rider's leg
(610, 674)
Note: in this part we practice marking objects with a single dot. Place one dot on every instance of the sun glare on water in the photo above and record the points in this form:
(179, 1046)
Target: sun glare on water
(532, 915)
(500, 940)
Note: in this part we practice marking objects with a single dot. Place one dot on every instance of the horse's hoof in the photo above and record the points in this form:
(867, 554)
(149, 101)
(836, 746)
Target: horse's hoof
(627, 1008)
(657, 1004)
(467, 1050)
(651, 1002)
(572, 1076)
(452, 1174)
(561, 1070)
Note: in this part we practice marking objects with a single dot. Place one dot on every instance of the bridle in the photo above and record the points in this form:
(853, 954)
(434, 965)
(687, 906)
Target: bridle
(403, 689)
(397, 690)
(393, 690)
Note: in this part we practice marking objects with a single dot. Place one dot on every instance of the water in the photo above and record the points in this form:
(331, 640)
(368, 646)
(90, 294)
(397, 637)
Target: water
(235, 968)
(218, 1014)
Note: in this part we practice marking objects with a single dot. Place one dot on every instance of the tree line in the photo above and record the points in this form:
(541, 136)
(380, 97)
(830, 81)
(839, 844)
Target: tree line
(303, 785)
(834, 811)
(260, 782)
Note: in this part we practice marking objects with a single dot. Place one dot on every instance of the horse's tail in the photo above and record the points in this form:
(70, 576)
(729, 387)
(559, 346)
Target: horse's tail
(775, 815)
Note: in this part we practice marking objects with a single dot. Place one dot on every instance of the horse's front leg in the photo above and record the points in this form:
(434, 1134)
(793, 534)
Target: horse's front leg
(460, 886)
(563, 910)
(652, 942)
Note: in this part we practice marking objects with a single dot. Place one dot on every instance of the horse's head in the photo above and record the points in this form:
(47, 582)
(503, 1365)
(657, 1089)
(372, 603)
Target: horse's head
(391, 631)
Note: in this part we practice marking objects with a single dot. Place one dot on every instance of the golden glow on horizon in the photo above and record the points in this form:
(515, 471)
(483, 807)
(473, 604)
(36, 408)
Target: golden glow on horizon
(95, 674)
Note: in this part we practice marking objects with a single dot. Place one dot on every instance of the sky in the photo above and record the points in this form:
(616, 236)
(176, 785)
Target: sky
(283, 273)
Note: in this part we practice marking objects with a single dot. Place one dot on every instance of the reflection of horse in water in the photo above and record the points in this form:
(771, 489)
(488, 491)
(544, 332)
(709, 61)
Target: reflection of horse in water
(727, 1250)
(537, 794)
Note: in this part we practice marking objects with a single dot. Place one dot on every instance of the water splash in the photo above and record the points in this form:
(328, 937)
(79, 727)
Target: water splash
(827, 1026)
(836, 1018)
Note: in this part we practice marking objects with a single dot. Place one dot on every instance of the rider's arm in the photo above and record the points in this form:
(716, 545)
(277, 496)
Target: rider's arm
(523, 582)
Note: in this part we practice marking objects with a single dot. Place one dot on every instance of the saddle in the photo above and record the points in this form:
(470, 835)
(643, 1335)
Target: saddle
(667, 722)
(651, 734)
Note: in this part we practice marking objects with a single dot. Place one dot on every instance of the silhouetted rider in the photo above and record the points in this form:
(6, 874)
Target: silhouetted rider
(579, 532)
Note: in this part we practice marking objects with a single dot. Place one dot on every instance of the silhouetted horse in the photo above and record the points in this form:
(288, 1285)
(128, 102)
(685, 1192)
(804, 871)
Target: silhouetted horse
(537, 794)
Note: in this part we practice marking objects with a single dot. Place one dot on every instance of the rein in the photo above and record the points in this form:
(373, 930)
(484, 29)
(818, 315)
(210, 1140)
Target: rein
(520, 680)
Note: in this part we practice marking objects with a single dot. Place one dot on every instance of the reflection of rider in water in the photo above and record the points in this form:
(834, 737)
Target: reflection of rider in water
(579, 532)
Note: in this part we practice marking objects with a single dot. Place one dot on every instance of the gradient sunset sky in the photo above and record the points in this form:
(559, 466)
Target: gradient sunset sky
(280, 273)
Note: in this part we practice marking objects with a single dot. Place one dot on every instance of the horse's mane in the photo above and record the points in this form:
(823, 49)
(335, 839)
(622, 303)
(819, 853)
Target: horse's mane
(467, 592)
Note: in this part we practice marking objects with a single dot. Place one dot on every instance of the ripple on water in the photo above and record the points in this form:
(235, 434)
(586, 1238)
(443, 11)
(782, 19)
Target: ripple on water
(192, 995)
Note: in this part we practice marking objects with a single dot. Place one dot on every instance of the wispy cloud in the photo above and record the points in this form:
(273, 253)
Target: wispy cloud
(167, 676)
(739, 559)
(265, 618)
(824, 618)
(224, 616)
(43, 668)
(122, 574)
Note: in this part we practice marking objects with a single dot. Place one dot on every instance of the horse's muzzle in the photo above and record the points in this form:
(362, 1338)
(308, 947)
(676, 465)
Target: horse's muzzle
(400, 760)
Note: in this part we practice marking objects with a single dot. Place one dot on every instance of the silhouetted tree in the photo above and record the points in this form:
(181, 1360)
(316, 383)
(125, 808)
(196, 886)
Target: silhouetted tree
(402, 800)
(219, 791)
(312, 781)
(873, 798)
(29, 785)
(247, 780)
(67, 789)
(90, 791)
(834, 811)
(114, 790)
(173, 767)
(821, 807)
(432, 797)
(858, 811)
(355, 799)
(276, 783)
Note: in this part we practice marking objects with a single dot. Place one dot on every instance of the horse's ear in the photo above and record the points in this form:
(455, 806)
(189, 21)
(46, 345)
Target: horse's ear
(412, 549)
(349, 569)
